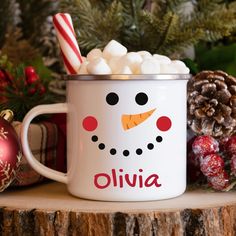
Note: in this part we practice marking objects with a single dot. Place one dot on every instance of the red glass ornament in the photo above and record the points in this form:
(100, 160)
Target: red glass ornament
(10, 151)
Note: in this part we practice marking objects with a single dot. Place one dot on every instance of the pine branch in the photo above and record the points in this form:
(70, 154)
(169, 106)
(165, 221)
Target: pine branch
(95, 23)
(211, 23)
(175, 5)
(132, 23)
(163, 29)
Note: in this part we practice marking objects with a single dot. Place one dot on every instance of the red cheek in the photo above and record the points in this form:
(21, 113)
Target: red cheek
(163, 123)
(90, 123)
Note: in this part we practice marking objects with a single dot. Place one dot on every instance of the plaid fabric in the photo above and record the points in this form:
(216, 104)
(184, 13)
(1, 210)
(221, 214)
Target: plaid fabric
(48, 145)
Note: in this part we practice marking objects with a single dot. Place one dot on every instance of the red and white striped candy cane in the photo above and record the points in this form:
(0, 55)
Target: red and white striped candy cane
(69, 48)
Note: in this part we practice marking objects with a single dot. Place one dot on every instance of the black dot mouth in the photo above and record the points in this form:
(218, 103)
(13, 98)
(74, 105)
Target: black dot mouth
(125, 152)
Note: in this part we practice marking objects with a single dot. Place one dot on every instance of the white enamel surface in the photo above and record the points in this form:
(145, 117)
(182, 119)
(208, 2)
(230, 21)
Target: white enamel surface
(167, 159)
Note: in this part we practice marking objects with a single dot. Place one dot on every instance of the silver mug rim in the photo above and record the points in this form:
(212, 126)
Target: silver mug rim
(125, 77)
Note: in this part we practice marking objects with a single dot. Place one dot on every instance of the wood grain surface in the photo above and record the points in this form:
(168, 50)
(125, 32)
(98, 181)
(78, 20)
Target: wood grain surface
(48, 209)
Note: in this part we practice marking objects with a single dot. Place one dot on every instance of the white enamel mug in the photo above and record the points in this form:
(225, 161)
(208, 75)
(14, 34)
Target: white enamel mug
(126, 137)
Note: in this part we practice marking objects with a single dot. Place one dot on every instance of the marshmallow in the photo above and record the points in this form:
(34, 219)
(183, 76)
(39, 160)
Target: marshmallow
(115, 64)
(132, 60)
(98, 66)
(124, 71)
(115, 60)
(83, 68)
(168, 69)
(184, 70)
(144, 54)
(150, 66)
(178, 62)
(83, 58)
(114, 49)
(162, 59)
(94, 53)
(180, 66)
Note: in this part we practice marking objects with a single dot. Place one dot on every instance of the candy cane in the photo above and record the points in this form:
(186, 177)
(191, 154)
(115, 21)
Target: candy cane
(69, 48)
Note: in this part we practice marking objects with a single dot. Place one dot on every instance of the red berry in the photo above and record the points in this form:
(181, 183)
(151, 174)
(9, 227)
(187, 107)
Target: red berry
(220, 181)
(233, 164)
(31, 75)
(5, 79)
(29, 70)
(41, 89)
(231, 145)
(32, 79)
(205, 145)
(211, 165)
(32, 91)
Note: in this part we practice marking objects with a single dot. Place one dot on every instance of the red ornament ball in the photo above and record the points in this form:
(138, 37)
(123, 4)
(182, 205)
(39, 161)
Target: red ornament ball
(10, 153)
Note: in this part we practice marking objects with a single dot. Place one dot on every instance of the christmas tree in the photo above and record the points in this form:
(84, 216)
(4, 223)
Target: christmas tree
(158, 26)
(26, 28)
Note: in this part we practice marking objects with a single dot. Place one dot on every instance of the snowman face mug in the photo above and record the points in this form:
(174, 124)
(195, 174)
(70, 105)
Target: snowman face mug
(126, 137)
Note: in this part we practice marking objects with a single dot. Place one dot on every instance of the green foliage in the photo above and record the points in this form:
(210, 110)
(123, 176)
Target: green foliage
(164, 29)
(16, 95)
(5, 63)
(44, 72)
(220, 57)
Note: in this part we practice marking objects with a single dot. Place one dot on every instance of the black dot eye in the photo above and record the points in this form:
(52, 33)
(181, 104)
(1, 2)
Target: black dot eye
(141, 98)
(112, 99)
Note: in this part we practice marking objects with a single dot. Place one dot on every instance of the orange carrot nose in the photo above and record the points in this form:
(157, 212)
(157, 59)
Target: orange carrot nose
(130, 121)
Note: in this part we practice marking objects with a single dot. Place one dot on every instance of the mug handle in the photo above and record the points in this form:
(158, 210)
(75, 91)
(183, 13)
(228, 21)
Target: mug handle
(40, 168)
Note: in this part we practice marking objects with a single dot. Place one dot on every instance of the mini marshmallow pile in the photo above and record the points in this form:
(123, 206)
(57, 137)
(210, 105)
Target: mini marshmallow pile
(115, 59)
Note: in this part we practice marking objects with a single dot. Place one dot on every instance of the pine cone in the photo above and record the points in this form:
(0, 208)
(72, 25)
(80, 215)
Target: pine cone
(212, 103)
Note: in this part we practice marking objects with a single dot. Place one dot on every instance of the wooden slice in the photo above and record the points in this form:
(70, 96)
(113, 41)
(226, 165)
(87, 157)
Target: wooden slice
(49, 209)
